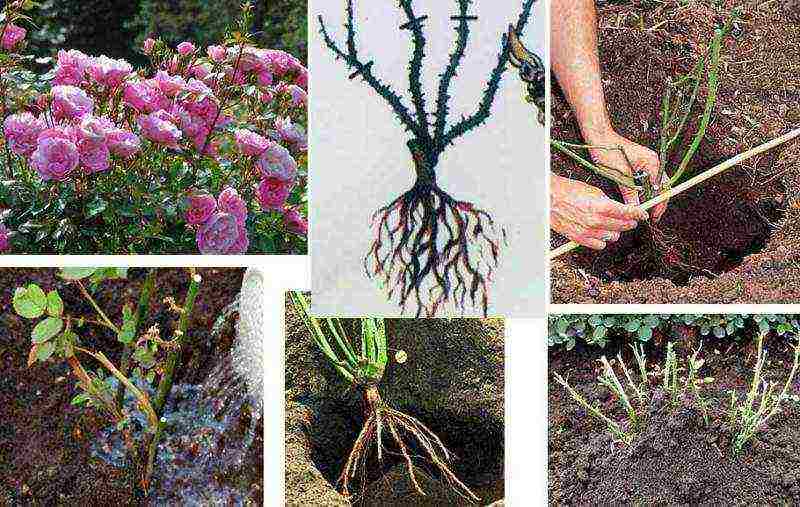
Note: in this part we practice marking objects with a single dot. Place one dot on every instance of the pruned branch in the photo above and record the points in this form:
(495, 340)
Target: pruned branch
(365, 71)
(485, 106)
(442, 108)
(415, 65)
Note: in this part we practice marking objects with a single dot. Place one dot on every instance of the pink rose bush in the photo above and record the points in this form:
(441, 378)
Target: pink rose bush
(151, 148)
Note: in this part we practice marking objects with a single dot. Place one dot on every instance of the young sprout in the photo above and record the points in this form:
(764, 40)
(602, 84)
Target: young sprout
(609, 379)
(761, 404)
(614, 427)
(692, 382)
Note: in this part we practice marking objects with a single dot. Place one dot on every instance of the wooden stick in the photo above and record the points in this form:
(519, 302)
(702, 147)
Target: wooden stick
(686, 185)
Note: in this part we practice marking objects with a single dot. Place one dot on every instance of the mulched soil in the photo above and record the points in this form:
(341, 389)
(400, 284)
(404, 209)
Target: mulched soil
(735, 234)
(675, 458)
(45, 443)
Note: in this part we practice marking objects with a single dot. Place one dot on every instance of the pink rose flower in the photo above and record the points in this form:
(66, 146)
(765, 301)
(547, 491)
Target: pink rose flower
(230, 202)
(21, 132)
(4, 237)
(12, 36)
(277, 162)
(218, 234)
(169, 85)
(70, 102)
(250, 143)
(265, 78)
(200, 207)
(66, 132)
(93, 130)
(272, 193)
(250, 58)
(291, 133)
(159, 128)
(71, 67)
(294, 222)
(299, 96)
(93, 157)
(186, 48)
(55, 158)
(123, 143)
(145, 96)
(302, 78)
(109, 72)
(242, 243)
(216, 53)
(148, 46)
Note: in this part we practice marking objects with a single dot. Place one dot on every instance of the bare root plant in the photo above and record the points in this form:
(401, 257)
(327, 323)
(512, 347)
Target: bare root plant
(431, 250)
(364, 370)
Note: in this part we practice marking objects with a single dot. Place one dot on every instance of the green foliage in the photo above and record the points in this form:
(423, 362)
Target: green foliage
(597, 329)
(360, 368)
(276, 24)
(29, 302)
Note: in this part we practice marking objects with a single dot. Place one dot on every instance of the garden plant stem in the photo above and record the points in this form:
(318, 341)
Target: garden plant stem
(686, 185)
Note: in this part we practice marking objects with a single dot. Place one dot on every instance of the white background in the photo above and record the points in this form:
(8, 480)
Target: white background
(360, 160)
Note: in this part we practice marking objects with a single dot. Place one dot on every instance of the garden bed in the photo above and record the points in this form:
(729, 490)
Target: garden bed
(454, 386)
(674, 458)
(737, 231)
(61, 462)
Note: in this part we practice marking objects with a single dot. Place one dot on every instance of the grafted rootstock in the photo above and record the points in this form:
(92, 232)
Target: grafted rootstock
(431, 249)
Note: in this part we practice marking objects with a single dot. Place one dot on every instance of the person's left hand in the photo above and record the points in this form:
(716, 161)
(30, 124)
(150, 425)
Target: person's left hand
(641, 157)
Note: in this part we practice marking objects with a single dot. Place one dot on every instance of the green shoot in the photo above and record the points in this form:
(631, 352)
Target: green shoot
(761, 402)
(362, 368)
(671, 374)
(691, 382)
(614, 427)
(641, 361)
(609, 379)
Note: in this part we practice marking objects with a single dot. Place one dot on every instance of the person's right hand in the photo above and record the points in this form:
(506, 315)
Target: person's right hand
(586, 215)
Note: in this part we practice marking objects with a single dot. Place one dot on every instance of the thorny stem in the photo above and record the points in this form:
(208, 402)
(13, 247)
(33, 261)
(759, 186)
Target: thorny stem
(97, 308)
(141, 310)
(408, 250)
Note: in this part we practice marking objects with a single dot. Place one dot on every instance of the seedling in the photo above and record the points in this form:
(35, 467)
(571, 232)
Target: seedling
(677, 105)
(670, 386)
(751, 415)
(363, 368)
(57, 337)
(430, 248)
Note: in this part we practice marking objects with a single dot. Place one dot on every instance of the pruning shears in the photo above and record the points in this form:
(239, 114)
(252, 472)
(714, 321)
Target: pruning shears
(531, 71)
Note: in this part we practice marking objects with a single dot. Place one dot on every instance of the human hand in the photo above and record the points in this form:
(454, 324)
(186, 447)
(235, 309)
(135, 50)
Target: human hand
(640, 157)
(585, 214)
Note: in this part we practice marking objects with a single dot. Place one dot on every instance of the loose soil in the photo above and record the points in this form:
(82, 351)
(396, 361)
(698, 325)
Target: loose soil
(45, 443)
(734, 235)
(675, 458)
(453, 383)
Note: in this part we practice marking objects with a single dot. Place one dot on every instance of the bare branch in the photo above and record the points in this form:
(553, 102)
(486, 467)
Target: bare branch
(442, 108)
(365, 71)
(415, 65)
(485, 106)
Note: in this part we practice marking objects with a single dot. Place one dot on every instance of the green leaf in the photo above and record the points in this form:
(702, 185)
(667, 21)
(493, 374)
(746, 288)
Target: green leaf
(76, 273)
(45, 350)
(128, 331)
(599, 333)
(645, 333)
(80, 399)
(55, 306)
(29, 302)
(633, 325)
(46, 329)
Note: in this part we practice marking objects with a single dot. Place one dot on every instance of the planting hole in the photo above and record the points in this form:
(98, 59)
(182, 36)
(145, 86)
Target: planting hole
(708, 230)
(477, 450)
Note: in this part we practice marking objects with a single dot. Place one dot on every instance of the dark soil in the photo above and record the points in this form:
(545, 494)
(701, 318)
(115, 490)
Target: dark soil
(45, 443)
(675, 458)
(453, 382)
(732, 238)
